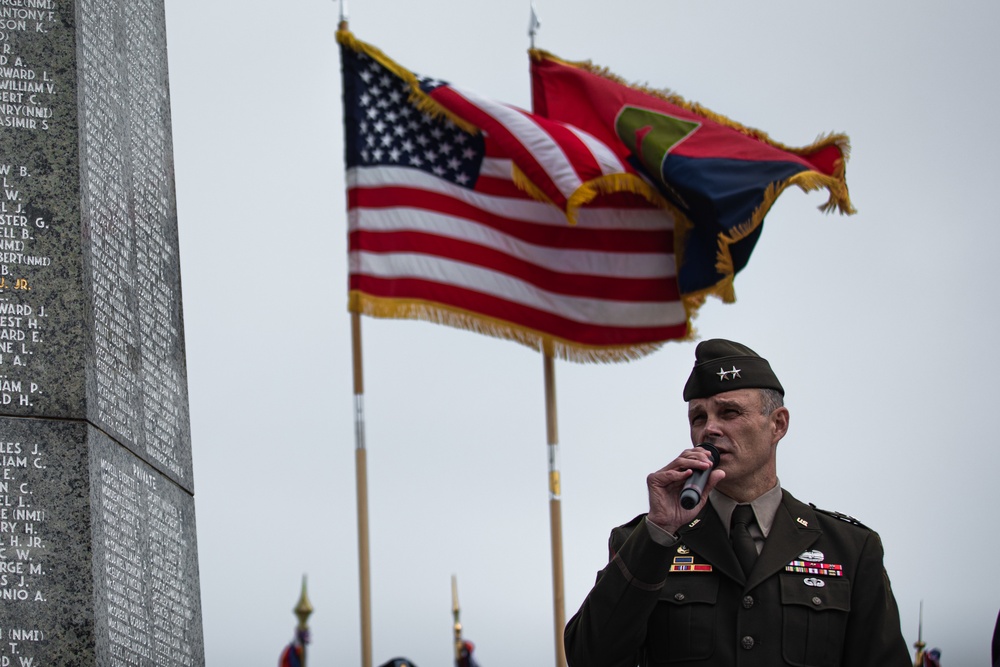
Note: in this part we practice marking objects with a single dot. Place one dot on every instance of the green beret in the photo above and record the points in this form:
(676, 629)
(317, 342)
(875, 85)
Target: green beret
(722, 365)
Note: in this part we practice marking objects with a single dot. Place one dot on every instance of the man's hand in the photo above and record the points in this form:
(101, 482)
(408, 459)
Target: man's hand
(665, 486)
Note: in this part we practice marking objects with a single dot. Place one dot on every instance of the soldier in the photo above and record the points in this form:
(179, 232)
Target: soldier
(749, 575)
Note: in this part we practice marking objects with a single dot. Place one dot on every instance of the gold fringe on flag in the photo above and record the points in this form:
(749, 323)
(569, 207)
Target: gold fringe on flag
(436, 313)
(590, 190)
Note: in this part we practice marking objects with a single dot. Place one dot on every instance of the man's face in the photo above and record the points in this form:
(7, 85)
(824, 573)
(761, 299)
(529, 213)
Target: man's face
(746, 438)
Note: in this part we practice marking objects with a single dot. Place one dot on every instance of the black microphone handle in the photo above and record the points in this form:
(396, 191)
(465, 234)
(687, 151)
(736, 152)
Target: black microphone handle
(695, 485)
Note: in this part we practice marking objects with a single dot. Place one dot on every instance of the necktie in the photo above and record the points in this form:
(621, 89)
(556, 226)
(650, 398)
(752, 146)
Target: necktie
(739, 535)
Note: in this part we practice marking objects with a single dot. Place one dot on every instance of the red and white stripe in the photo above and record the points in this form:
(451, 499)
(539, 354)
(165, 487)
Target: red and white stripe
(558, 158)
(494, 253)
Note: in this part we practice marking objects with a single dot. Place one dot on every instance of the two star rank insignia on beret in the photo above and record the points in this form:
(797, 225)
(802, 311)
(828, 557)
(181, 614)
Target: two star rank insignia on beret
(725, 375)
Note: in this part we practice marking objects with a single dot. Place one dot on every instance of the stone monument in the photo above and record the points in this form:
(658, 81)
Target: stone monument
(98, 560)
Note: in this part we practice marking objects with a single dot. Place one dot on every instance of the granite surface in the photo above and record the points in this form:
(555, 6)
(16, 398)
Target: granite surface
(91, 324)
(98, 557)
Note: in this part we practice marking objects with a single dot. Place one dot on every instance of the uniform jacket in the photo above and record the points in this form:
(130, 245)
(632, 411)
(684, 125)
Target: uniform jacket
(647, 609)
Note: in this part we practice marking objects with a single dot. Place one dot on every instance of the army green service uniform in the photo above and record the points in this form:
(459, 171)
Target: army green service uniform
(818, 596)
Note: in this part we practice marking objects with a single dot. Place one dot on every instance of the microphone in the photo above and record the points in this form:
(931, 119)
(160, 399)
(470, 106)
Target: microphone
(695, 486)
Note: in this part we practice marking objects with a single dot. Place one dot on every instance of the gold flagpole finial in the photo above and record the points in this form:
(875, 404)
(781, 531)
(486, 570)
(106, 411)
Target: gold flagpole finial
(304, 608)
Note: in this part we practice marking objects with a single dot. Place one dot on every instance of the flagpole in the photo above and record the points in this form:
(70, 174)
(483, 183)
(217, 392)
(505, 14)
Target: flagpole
(918, 660)
(455, 613)
(555, 506)
(360, 467)
(552, 437)
(361, 475)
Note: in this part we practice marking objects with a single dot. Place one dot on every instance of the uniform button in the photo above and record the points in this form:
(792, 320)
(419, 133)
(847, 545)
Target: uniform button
(748, 602)
(817, 600)
(747, 642)
(678, 596)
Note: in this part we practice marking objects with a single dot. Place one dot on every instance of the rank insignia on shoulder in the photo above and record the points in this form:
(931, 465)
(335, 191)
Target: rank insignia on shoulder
(838, 515)
(687, 564)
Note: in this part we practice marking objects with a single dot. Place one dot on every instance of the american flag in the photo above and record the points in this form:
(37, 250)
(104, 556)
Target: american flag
(438, 229)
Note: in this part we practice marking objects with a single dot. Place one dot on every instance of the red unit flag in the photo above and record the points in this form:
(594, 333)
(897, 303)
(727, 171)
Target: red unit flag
(720, 176)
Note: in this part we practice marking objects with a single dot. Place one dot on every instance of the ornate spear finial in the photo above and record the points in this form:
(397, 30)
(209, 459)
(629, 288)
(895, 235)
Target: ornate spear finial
(533, 24)
(304, 608)
(302, 611)
(295, 652)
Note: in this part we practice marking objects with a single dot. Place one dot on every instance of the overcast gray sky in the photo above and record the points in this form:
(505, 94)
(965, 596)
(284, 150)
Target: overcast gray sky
(881, 326)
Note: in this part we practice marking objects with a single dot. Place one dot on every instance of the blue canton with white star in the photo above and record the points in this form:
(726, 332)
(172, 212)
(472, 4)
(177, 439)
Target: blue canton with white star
(384, 128)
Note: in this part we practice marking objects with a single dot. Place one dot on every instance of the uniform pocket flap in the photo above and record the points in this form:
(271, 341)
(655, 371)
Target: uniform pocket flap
(816, 593)
(690, 588)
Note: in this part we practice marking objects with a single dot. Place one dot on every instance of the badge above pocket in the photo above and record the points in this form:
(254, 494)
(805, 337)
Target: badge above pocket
(817, 593)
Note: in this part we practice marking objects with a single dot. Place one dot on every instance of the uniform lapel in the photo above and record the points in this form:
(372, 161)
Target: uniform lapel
(795, 528)
(706, 536)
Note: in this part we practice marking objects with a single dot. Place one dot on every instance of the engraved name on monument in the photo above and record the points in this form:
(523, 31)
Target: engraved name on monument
(98, 560)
